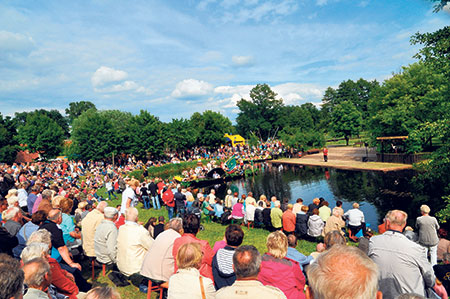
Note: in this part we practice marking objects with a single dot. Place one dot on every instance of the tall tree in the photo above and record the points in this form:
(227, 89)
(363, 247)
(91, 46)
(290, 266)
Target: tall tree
(41, 134)
(77, 108)
(179, 134)
(346, 120)
(146, 135)
(211, 126)
(21, 117)
(121, 139)
(261, 114)
(8, 143)
(92, 135)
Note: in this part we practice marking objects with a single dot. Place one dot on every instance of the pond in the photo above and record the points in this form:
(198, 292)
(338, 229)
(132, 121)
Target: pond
(376, 192)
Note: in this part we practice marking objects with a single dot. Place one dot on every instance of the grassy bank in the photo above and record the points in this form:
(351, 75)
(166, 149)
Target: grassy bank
(213, 232)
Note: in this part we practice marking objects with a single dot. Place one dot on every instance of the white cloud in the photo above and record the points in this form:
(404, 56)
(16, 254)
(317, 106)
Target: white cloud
(144, 90)
(321, 2)
(242, 60)
(104, 75)
(124, 86)
(447, 8)
(15, 42)
(293, 93)
(192, 87)
(203, 4)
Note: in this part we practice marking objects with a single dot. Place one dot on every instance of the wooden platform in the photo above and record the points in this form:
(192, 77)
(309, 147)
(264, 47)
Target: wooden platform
(344, 164)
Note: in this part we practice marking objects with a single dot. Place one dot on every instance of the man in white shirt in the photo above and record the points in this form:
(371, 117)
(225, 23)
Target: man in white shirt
(129, 198)
(356, 221)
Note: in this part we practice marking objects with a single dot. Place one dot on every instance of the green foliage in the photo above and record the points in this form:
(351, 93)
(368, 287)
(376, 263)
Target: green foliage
(40, 133)
(302, 139)
(21, 117)
(444, 214)
(260, 115)
(346, 120)
(92, 135)
(146, 135)
(77, 108)
(440, 4)
(407, 100)
(121, 138)
(8, 143)
(210, 127)
(180, 135)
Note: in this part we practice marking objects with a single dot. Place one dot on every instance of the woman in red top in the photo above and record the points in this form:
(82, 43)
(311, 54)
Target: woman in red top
(279, 271)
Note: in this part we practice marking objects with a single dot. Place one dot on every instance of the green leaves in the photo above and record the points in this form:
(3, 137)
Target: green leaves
(346, 120)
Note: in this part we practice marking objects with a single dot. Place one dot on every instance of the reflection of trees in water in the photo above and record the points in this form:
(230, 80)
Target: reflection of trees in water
(386, 191)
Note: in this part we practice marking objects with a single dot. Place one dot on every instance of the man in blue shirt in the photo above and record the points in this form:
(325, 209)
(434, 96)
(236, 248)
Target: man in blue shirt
(295, 255)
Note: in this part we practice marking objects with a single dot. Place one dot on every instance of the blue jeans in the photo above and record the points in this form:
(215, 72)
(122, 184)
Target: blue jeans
(146, 200)
(111, 192)
(181, 211)
(170, 210)
(155, 202)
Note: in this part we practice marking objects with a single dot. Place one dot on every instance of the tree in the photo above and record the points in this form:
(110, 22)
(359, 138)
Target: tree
(20, 118)
(261, 114)
(211, 126)
(346, 120)
(440, 4)
(92, 135)
(408, 99)
(121, 139)
(77, 108)
(8, 143)
(41, 134)
(146, 135)
(179, 134)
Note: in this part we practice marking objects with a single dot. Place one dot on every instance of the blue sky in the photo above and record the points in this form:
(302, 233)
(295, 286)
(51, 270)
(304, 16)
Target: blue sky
(175, 57)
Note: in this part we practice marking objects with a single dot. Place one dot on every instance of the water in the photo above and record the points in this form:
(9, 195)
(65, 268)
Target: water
(376, 192)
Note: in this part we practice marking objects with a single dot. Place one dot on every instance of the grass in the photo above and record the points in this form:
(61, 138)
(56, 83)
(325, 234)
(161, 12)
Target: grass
(213, 232)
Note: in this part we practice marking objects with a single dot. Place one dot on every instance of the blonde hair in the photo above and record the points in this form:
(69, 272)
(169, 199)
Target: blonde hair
(277, 244)
(425, 209)
(189, 256)
(263, 197)
(356, 205)
(56, 201)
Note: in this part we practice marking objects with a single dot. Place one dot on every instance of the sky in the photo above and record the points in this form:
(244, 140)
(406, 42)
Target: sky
(175, 57)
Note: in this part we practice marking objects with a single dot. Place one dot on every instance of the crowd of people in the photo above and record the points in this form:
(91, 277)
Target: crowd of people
(53, 223)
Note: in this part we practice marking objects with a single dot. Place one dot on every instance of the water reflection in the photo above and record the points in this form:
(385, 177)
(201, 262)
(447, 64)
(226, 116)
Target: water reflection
(376, 192)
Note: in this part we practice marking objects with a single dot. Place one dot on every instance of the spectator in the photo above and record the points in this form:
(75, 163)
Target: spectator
(289, 220)
(262, 202)
(11, 278)
(129, 198)
(247, 265)
(335, 222)
(250, 200)
(13, 219)
(359, 280)
(276, 216)
(443, 245)
(37, 278)
(105, 238)
(25, 232)
(410, 234)
(338, 208)
(43, 202)
(188, 282)
(150, 226)
(238, 210)
(222, 264)
(356, 221)
(88, 226)
(133, 242)
(333, 238)
(267, 221)
(301, 223)
(279, 271)
(159, 228)
(59, 248)
(228, 199)
(364, 241)
(71, 234)
(295, 255)
(218, 209)
(32, 196)
(324, 211)
(159, 262)
(442, 272)
(104, 292)
(191, 225)
(428, 238)
(180, 202)
(402, 263)
(60, 279)
(315, 225)
(313, 205)
(297, 206)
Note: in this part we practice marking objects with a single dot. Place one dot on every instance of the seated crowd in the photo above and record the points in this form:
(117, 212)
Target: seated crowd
(41, 245)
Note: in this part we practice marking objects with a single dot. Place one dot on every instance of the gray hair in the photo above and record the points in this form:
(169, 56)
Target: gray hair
(105, 292)
(246, 261)
(131, 214)
(33, 251)
(11, 277)
(36, 275)
(397, 217)
(101, 206)
(176, 224)
(47, 194)
(358, 281)
(10, 213)
(40, 236)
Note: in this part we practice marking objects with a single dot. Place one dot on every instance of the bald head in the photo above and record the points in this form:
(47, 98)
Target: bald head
(396, 220)
(101, 206)
(246, 262)
(54, 215)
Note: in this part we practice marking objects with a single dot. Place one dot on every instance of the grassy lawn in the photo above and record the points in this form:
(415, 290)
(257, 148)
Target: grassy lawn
(213, 232)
